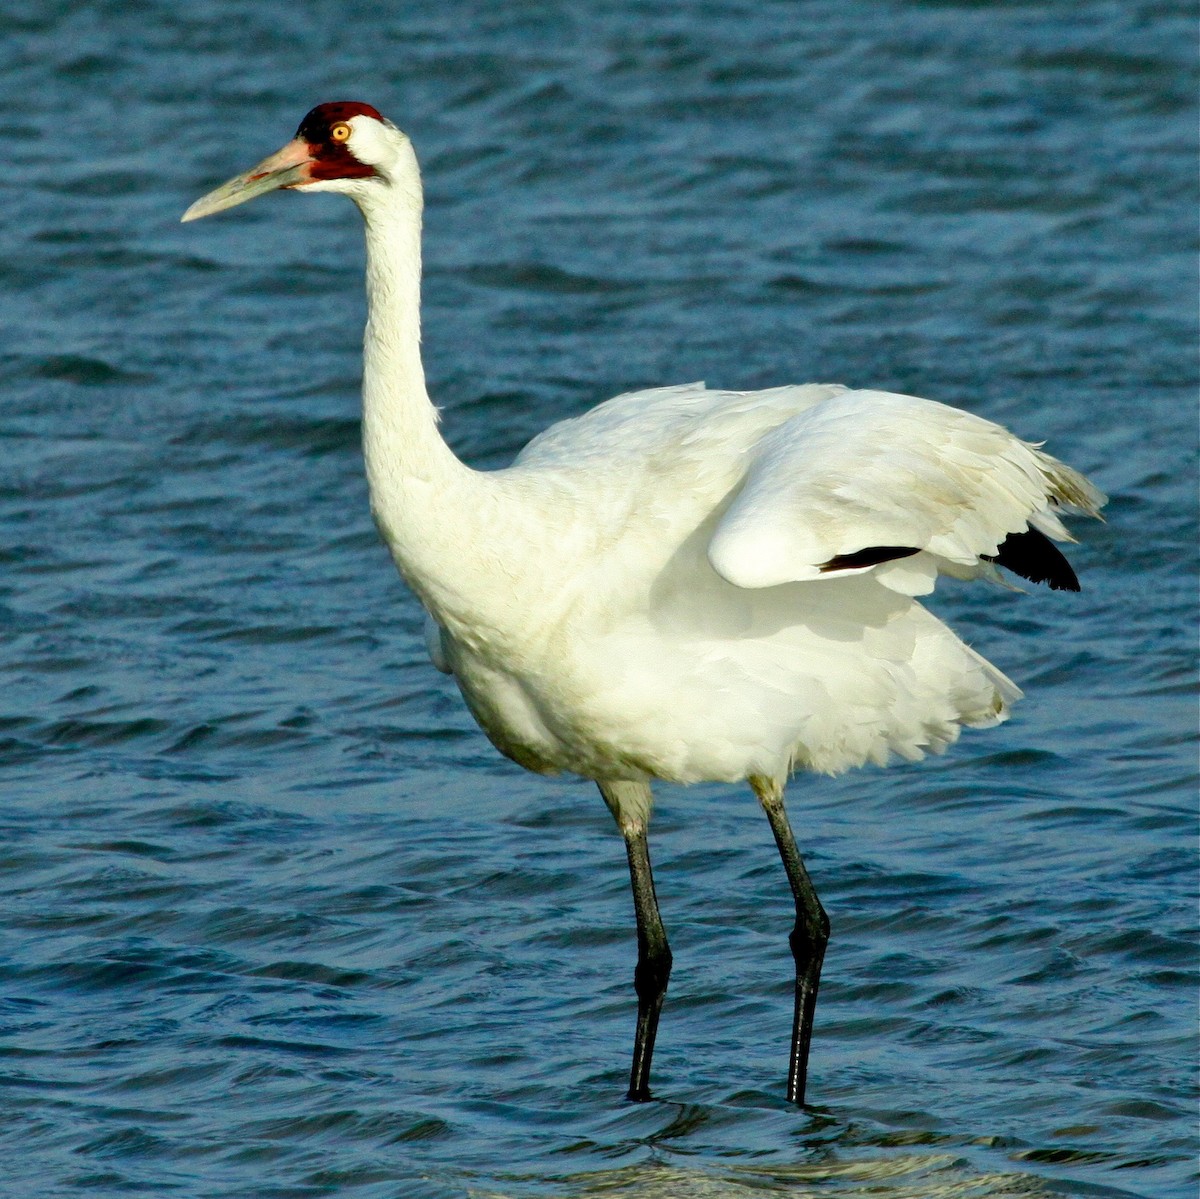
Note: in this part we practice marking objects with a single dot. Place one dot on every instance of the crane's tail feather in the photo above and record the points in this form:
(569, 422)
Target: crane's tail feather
(1069, 489)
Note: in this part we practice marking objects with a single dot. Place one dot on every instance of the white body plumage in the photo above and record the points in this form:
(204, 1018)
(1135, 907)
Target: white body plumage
(641, 595)
(662, 612)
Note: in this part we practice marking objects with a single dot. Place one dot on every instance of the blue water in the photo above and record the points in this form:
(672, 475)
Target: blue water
(275, 920)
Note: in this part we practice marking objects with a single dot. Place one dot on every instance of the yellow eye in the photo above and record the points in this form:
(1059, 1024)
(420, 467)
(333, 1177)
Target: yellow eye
(340, 132)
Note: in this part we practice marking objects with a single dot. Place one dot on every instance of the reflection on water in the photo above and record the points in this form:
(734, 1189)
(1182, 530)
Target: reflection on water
(930, 1176)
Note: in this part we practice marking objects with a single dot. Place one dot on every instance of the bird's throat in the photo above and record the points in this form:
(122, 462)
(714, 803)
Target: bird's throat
(431, 509)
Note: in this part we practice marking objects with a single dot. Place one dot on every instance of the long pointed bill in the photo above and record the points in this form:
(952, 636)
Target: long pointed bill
(286, 168)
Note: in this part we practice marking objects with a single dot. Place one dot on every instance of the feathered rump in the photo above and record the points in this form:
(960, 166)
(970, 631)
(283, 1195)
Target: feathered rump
(905, 688)
(816, 676)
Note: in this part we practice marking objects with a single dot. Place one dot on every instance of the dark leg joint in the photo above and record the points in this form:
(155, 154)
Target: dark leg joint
(651, 975)
(809, 937)
(650, 982)
(807, 940)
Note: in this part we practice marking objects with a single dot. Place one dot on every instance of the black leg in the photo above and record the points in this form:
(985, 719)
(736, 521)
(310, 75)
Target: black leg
(808, 939)
(653, 964)
(630, 804)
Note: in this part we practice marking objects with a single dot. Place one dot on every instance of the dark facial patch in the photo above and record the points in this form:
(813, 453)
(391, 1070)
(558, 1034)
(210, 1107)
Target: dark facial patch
(333, 160)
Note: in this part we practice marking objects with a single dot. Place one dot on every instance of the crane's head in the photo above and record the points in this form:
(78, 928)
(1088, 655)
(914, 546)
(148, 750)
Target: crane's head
(339, 147)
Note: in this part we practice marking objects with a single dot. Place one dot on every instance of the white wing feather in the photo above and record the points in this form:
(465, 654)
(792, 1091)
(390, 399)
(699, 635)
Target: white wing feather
(869, 468)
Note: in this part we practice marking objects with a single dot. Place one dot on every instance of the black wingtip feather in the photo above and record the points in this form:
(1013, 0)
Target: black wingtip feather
(873, 555)
(1033, 556)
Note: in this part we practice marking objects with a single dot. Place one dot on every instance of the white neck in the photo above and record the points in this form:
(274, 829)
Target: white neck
(428, 505)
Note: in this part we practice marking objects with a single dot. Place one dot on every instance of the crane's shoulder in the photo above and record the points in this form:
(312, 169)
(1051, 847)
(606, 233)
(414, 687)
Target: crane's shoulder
(643, 425)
